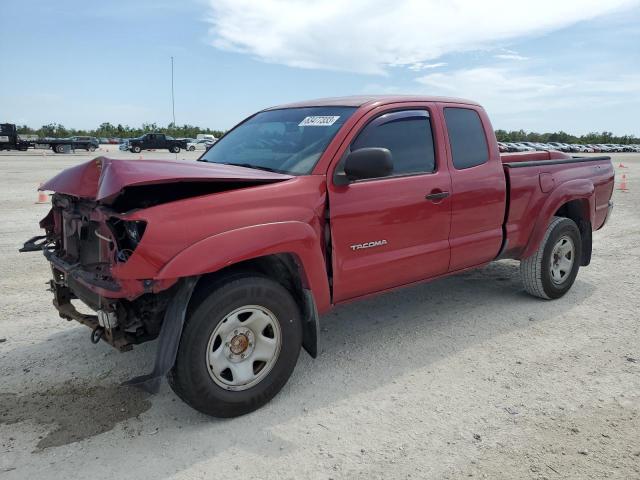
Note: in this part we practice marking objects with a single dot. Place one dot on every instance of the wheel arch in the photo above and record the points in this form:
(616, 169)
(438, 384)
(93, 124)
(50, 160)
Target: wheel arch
(284, 268)
(573, 199)
(578, 211)
(288, 252)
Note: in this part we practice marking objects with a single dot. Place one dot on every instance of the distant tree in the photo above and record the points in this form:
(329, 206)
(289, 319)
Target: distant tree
(107, 129)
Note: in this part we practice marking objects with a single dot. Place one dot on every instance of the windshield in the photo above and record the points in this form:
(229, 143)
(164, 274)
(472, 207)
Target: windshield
(290, 140)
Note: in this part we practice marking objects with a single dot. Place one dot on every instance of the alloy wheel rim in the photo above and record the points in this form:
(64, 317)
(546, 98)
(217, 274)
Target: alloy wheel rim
(244, 347)
(562, 259)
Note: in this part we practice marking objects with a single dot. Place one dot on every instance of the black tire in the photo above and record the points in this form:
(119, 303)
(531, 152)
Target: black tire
(192, 148)
(58, 148)
(536, 271)
(190, 377)
(136, 149)
(175, 149)
(91, 148)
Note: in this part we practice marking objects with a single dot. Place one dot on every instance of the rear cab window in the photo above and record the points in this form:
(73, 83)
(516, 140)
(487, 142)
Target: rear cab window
(407, 135)
(467, 139)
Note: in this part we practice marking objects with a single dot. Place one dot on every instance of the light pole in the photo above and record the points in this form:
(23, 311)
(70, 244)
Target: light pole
(173, 102)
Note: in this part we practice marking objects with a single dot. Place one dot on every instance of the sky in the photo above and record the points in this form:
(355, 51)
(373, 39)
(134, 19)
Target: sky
(542, 65)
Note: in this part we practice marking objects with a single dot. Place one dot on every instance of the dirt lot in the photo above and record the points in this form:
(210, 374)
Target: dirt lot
(464, 377)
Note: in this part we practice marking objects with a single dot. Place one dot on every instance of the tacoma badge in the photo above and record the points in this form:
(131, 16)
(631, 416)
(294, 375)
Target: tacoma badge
(376, 243)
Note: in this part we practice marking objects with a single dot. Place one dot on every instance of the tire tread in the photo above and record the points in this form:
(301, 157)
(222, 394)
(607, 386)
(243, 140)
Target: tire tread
(531, 267)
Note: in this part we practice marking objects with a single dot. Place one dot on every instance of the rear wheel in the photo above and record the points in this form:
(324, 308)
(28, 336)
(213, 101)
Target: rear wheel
(239, 346)
(91, 148)
(550, 272)
(58, 148)
(192, 148)
(175, 149)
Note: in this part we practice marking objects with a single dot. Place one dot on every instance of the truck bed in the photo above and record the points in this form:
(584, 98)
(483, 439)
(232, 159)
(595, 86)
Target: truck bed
(533, 179)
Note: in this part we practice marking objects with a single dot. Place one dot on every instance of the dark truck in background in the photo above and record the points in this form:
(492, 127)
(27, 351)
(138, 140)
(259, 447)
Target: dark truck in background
(156, 141)
(64, 145)
(9, 139)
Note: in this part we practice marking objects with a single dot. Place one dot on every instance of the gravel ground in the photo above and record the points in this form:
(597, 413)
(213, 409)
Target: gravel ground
(464, 377)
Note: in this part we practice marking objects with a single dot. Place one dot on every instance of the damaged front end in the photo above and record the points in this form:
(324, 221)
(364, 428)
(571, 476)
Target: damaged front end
(107, 239)
(84, 244)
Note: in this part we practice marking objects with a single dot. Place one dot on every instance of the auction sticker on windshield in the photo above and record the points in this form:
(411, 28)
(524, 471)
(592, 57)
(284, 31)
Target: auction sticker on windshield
(319, 121)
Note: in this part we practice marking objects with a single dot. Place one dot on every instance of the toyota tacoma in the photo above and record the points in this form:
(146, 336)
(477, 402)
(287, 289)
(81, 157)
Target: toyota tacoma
(228, 261)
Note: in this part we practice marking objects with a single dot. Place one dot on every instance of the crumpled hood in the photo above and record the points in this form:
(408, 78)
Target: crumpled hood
(103, 178)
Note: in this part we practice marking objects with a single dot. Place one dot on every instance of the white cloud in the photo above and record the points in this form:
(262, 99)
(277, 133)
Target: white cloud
(508, 91)
(367, 36)
(510, 56)
(416, 67)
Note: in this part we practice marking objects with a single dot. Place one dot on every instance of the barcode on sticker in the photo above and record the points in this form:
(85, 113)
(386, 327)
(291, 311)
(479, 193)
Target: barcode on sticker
(319, 121)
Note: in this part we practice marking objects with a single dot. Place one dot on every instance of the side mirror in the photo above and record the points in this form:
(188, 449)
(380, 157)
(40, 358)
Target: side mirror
(368, 163)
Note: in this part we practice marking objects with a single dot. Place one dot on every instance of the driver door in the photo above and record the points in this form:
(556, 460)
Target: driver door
(394, 230)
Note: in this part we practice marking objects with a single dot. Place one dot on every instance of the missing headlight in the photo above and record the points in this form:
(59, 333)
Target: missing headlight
(128, 234)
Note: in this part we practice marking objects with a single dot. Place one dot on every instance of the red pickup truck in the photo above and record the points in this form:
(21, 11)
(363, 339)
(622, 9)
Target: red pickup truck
(229, 260)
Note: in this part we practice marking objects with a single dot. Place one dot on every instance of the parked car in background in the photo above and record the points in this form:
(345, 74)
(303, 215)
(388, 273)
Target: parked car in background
(630, 148)
(519, 147)
(124, 146)
(202, 144)
(605, 148)
(502, 147)
(539, 146)
(524, 148)
(206, 136)
(563, 147)
(90, 144)
(609, 147)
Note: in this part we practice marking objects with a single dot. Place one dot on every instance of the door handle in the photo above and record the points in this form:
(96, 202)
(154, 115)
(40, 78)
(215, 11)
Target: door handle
(437, 196)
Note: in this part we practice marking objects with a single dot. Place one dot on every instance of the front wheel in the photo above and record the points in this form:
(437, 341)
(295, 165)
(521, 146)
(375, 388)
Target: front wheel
(550, 272)
(239, 346)
(136, 149)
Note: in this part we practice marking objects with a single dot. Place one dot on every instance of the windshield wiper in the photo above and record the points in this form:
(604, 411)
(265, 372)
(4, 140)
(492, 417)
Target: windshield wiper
(257, 167)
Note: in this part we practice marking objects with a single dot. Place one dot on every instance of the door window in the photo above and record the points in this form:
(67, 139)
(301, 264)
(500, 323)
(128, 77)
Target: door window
(407, 135)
